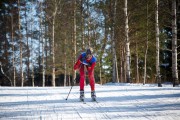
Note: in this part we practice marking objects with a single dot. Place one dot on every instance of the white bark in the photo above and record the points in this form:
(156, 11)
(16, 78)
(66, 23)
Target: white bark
(74, 40)
(31, 62)
(115, 74)
(174, 44)
(146, 50)
(137, 64)
(20, 38)
(157, 44)
(13, 59)
(53, 54)
(82, 26)
(128, 77)
(42, 41)
(65, 68)
(32, 75)
(88, 11)
(56, 3)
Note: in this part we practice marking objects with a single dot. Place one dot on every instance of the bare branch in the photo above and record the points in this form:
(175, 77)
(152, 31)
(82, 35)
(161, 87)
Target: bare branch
(178, 46)
(167, 50)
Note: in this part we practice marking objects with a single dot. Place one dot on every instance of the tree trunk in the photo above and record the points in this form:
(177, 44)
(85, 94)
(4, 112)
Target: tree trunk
(146, 50)
(128, 77)
(53, 54)
(32, 75)
(174, 45)
(88, 11)
(27, 44)
(20, 38)
(121, 64)
(42, 42)
(13, 59)
(103, 49)
(158, 77)
(74, 36)
(65, 68)
(56, 4)
(82, 26)
(137, 65)
(31, 62)
(115, 70)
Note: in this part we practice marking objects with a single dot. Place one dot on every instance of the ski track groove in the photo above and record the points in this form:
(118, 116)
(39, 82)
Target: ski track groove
(75, 107)
(121, 103)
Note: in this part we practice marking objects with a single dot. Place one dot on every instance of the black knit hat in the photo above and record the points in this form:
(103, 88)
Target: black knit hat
(89, 51)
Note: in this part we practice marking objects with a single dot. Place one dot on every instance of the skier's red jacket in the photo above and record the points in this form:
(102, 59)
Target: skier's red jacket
(90, 68)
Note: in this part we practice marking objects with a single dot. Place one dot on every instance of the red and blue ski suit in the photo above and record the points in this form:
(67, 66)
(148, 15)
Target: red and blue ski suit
(90, 69)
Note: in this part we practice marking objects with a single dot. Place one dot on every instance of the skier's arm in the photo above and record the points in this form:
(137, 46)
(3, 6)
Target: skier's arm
(78, 63)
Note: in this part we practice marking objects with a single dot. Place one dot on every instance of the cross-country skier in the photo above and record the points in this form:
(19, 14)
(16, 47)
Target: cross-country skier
(86, 59)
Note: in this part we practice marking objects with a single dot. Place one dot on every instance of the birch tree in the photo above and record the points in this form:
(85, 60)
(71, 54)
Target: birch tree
(157, 45)
(42, 41)
(146, 50)
(128, 77)
(137, 62)
(13, 54)
(74, 37)
(65, 63)
(31, 47)
(82, 25)
(57, 5)
(20, 38)
(27, 43)
(174, 45)
(115, 71)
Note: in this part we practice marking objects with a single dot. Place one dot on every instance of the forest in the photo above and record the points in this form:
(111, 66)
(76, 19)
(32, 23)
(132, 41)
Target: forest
(134, 41)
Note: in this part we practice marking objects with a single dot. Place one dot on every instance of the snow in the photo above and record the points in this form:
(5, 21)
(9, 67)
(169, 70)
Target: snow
(116, 101)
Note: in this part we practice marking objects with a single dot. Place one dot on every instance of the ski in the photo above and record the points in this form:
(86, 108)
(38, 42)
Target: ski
(94, 100)
(83, 101)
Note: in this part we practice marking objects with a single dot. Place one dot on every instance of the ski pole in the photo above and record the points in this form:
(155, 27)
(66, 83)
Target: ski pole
(72, 85)
(71, 88)
(69, 92)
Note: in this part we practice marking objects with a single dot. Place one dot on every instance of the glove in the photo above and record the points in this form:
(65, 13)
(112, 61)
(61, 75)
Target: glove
(85, 63)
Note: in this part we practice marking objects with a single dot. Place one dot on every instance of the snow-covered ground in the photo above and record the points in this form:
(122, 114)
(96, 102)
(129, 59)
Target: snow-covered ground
(116, 101)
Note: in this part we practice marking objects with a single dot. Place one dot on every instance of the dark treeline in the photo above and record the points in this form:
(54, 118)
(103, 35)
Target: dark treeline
(134, 41)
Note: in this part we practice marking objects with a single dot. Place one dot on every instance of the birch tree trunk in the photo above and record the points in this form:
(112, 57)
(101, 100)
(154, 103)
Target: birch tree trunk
(137, 65)
(74, 36)
(32, 72)
(103, 49)
(20, 38)
(88, 11)
(65, 68)
(13, 59)
(146, 50)
(32, 75)
(27, 44)
(121, 64)
(174, 45)
(30, 53)
(57, 3)
(53, 54)
(128, 77)
(115, 70)
(82, 26)
(158, 77)
(42, 41)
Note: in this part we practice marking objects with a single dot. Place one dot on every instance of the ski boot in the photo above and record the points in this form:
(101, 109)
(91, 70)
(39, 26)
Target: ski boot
(93, 95)
(82, 95)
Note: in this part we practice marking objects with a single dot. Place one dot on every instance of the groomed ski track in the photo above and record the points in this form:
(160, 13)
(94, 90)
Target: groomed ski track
(122, 101)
